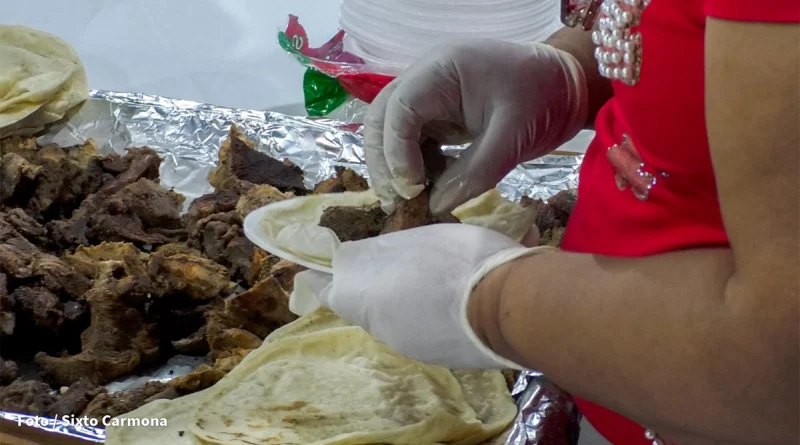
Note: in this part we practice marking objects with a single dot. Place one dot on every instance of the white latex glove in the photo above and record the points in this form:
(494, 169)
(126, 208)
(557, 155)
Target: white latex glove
(514, 102)
(410, 289)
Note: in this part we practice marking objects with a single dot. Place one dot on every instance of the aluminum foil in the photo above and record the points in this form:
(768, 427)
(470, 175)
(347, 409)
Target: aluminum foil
(188, 135)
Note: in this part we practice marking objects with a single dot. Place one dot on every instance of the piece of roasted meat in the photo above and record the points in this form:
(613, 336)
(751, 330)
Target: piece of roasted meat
(262, 308)
(130, 206)
(118, 338)
(354, 223)
(241, 165)
(27, 397)
(357, 223)
(9, 371)
(122, 402)
(345, 180)
(259, 196)
(409, 214)
(552, 217)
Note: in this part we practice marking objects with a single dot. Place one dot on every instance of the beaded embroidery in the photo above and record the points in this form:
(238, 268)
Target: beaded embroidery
(619, 49)
(630, 171)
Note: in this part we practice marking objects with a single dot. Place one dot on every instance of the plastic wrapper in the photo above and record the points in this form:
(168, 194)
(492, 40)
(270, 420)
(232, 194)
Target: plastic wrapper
(354, 76)
(188, 135)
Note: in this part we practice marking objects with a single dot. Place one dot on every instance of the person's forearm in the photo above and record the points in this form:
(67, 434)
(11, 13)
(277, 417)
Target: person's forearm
(578, 42)
(657, 339)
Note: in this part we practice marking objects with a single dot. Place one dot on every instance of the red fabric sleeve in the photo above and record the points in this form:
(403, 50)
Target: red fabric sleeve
(774, 11)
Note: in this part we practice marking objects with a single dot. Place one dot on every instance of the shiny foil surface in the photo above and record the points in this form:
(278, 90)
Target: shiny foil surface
(188, 136)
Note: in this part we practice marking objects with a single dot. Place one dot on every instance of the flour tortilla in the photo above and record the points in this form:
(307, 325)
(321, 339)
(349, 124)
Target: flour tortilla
(320, 320)
(294, 224)
(478, 405)
(41, 78)
(338, 386)
(491, 211)
(177, 414)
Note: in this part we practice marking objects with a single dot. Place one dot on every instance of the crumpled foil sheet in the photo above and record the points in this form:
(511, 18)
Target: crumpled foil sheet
(188, 135)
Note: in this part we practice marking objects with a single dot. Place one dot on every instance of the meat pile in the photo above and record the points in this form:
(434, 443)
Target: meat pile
(101, 276)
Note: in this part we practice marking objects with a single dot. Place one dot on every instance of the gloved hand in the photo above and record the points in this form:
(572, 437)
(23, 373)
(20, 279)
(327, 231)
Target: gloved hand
(514, 102)
(410, 289)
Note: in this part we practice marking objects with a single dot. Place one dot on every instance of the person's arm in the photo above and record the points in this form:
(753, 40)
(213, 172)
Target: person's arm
(578, 42)
(694, 344)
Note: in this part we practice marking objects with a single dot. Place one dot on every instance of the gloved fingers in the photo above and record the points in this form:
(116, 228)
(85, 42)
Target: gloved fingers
(446, 132)
(311, 291)
(422, 97)
(479, 168)
(379, 176)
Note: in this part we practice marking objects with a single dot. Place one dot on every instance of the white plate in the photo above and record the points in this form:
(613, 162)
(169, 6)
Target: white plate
(254, 232)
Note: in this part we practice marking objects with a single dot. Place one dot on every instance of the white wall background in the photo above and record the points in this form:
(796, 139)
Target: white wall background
(223, 52)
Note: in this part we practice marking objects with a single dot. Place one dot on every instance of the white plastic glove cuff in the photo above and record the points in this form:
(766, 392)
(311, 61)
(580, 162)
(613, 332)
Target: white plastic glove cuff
(489, 265)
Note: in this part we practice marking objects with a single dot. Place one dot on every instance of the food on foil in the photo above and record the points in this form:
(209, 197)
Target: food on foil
(345, 387)
(214, 221)
(241, 165)
(102, 277)
(43, 79)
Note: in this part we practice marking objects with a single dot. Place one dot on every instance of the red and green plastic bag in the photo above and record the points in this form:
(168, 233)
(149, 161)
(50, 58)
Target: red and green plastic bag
(333, 76)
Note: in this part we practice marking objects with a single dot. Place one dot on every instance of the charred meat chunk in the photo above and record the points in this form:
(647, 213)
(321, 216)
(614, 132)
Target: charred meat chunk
(345, 180)
(142, 213)
(354, 223)
(122, 402)
(257, 197)
(68, 175)
(194, 344)
(285, 271)
(9, 371)
(262, 265)
(39, 310)
(410, 214)
(21, 145)
(75, 398)
(8, 319)
(221, 238)
(240, 163)
(117, 341)
(27, 397)
(104, 216)
(25, 225)
(201, 378)
(22, 261)
(16, 172)
(194, 276)
(262, 308)
(225, 335)
(563, 203)
(221, 201)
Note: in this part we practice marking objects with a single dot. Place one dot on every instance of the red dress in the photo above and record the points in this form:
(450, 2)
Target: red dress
(647, 184)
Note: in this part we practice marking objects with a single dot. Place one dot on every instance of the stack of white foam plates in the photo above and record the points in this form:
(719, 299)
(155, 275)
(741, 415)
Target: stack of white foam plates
(396, 32)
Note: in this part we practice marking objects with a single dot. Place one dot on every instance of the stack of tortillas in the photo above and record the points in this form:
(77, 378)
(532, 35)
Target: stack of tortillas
(41, 78)
(320, 381)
